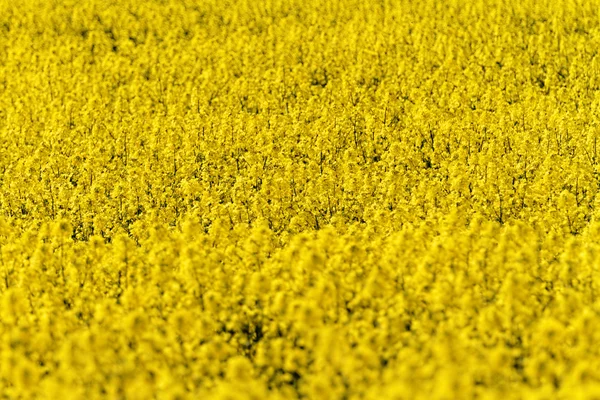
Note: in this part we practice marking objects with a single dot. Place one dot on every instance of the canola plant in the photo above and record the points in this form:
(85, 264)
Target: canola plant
(299, 199)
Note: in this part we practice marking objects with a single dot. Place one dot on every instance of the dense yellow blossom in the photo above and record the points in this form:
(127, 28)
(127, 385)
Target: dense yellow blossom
(291, 199)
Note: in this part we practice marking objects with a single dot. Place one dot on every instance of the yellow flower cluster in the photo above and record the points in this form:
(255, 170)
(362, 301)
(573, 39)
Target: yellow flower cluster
(300, 199)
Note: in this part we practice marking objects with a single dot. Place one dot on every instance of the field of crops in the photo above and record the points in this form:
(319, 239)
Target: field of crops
(300, 199)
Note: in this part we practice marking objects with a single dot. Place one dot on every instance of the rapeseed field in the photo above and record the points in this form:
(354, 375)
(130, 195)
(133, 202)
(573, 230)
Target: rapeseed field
(300, 199)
